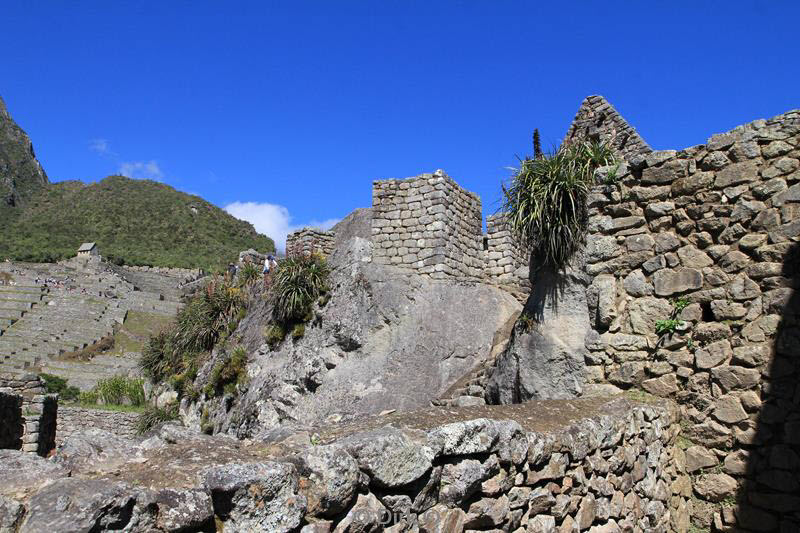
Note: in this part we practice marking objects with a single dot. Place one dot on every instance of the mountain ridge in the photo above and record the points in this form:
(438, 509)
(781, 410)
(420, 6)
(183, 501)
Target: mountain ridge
(136, 222)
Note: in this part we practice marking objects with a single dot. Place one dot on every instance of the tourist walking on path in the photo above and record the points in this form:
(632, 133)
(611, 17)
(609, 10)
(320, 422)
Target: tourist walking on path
(269, 266)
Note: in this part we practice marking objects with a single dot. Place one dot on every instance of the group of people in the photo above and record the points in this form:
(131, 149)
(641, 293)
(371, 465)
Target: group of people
(270, 264)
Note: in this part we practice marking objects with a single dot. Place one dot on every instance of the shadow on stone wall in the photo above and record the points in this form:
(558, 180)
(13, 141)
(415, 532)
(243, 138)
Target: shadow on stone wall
(769, 500)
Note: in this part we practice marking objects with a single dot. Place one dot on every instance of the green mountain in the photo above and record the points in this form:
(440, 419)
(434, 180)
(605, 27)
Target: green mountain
(21, 175)
(138, 222)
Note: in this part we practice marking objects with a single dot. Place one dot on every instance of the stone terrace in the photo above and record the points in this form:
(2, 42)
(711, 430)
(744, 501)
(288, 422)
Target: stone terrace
(74, 305)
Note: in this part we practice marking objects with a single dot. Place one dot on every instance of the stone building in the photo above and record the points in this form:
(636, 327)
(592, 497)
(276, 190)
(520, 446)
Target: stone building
(88, 249)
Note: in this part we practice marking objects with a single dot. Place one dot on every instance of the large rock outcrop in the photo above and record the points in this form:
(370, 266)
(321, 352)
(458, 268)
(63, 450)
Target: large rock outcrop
(387, 339)
(21, 175)
(545, 356)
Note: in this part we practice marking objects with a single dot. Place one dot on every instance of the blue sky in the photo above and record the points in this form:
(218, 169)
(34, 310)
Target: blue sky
(292, 108)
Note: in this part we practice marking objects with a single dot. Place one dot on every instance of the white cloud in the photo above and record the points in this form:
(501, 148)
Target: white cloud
(141, 170)
(100, 146)
(273, 220)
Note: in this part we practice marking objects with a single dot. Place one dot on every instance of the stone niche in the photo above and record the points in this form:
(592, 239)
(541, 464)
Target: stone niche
(37, 418)
(429, 224)
(11, 425)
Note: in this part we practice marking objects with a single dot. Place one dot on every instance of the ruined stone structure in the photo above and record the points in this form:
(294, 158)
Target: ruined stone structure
(77, 420)
(37, 414)
(506, 258)
(432, 226)
(428, 224)
(88, 249)
(597, 120)
(581, 465)
(709, 237)
(309, 241)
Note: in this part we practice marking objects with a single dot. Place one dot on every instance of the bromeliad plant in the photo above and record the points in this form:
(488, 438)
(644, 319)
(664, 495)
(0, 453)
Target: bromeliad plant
(296, 285)
(546, 201)
(208, 318)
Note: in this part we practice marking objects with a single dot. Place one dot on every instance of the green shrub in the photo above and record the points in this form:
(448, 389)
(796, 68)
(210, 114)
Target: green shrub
(207, 319)
(134, 391)
(153, 416)
(546, 201)
(58, 385)
(668, 326)
(298, 331)
(525, 322)
(249, 274)
(228, 373)
(680, 304)
(88, 398)
(117, 389)
(274, 335)
(296, 285)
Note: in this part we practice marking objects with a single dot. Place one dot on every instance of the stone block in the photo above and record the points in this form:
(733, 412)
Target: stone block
(668, 281)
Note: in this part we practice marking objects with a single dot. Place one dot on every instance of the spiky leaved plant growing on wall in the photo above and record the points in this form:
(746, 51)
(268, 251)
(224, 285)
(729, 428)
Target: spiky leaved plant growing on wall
(546, 201)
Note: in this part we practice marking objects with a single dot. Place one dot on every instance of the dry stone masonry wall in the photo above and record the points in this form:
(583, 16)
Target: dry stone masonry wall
(506, 258)
(309, 241)
(76, 420)
(607, 472)
(581, 465)
(598, 120)
(428, 224)
(708, 237)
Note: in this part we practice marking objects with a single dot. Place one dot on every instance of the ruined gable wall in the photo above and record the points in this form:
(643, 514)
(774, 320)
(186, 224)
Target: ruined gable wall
(718, 226)
(598, 120)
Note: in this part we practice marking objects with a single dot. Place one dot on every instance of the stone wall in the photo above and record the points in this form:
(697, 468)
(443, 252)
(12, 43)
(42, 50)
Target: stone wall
(616, 469)
(703, 243)
(39, 412)
(592, 464)
(11, 422)
(506, 260)
(75, 420)
(598, 120)
(188, 273)
(309, 241)
(429, 224)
